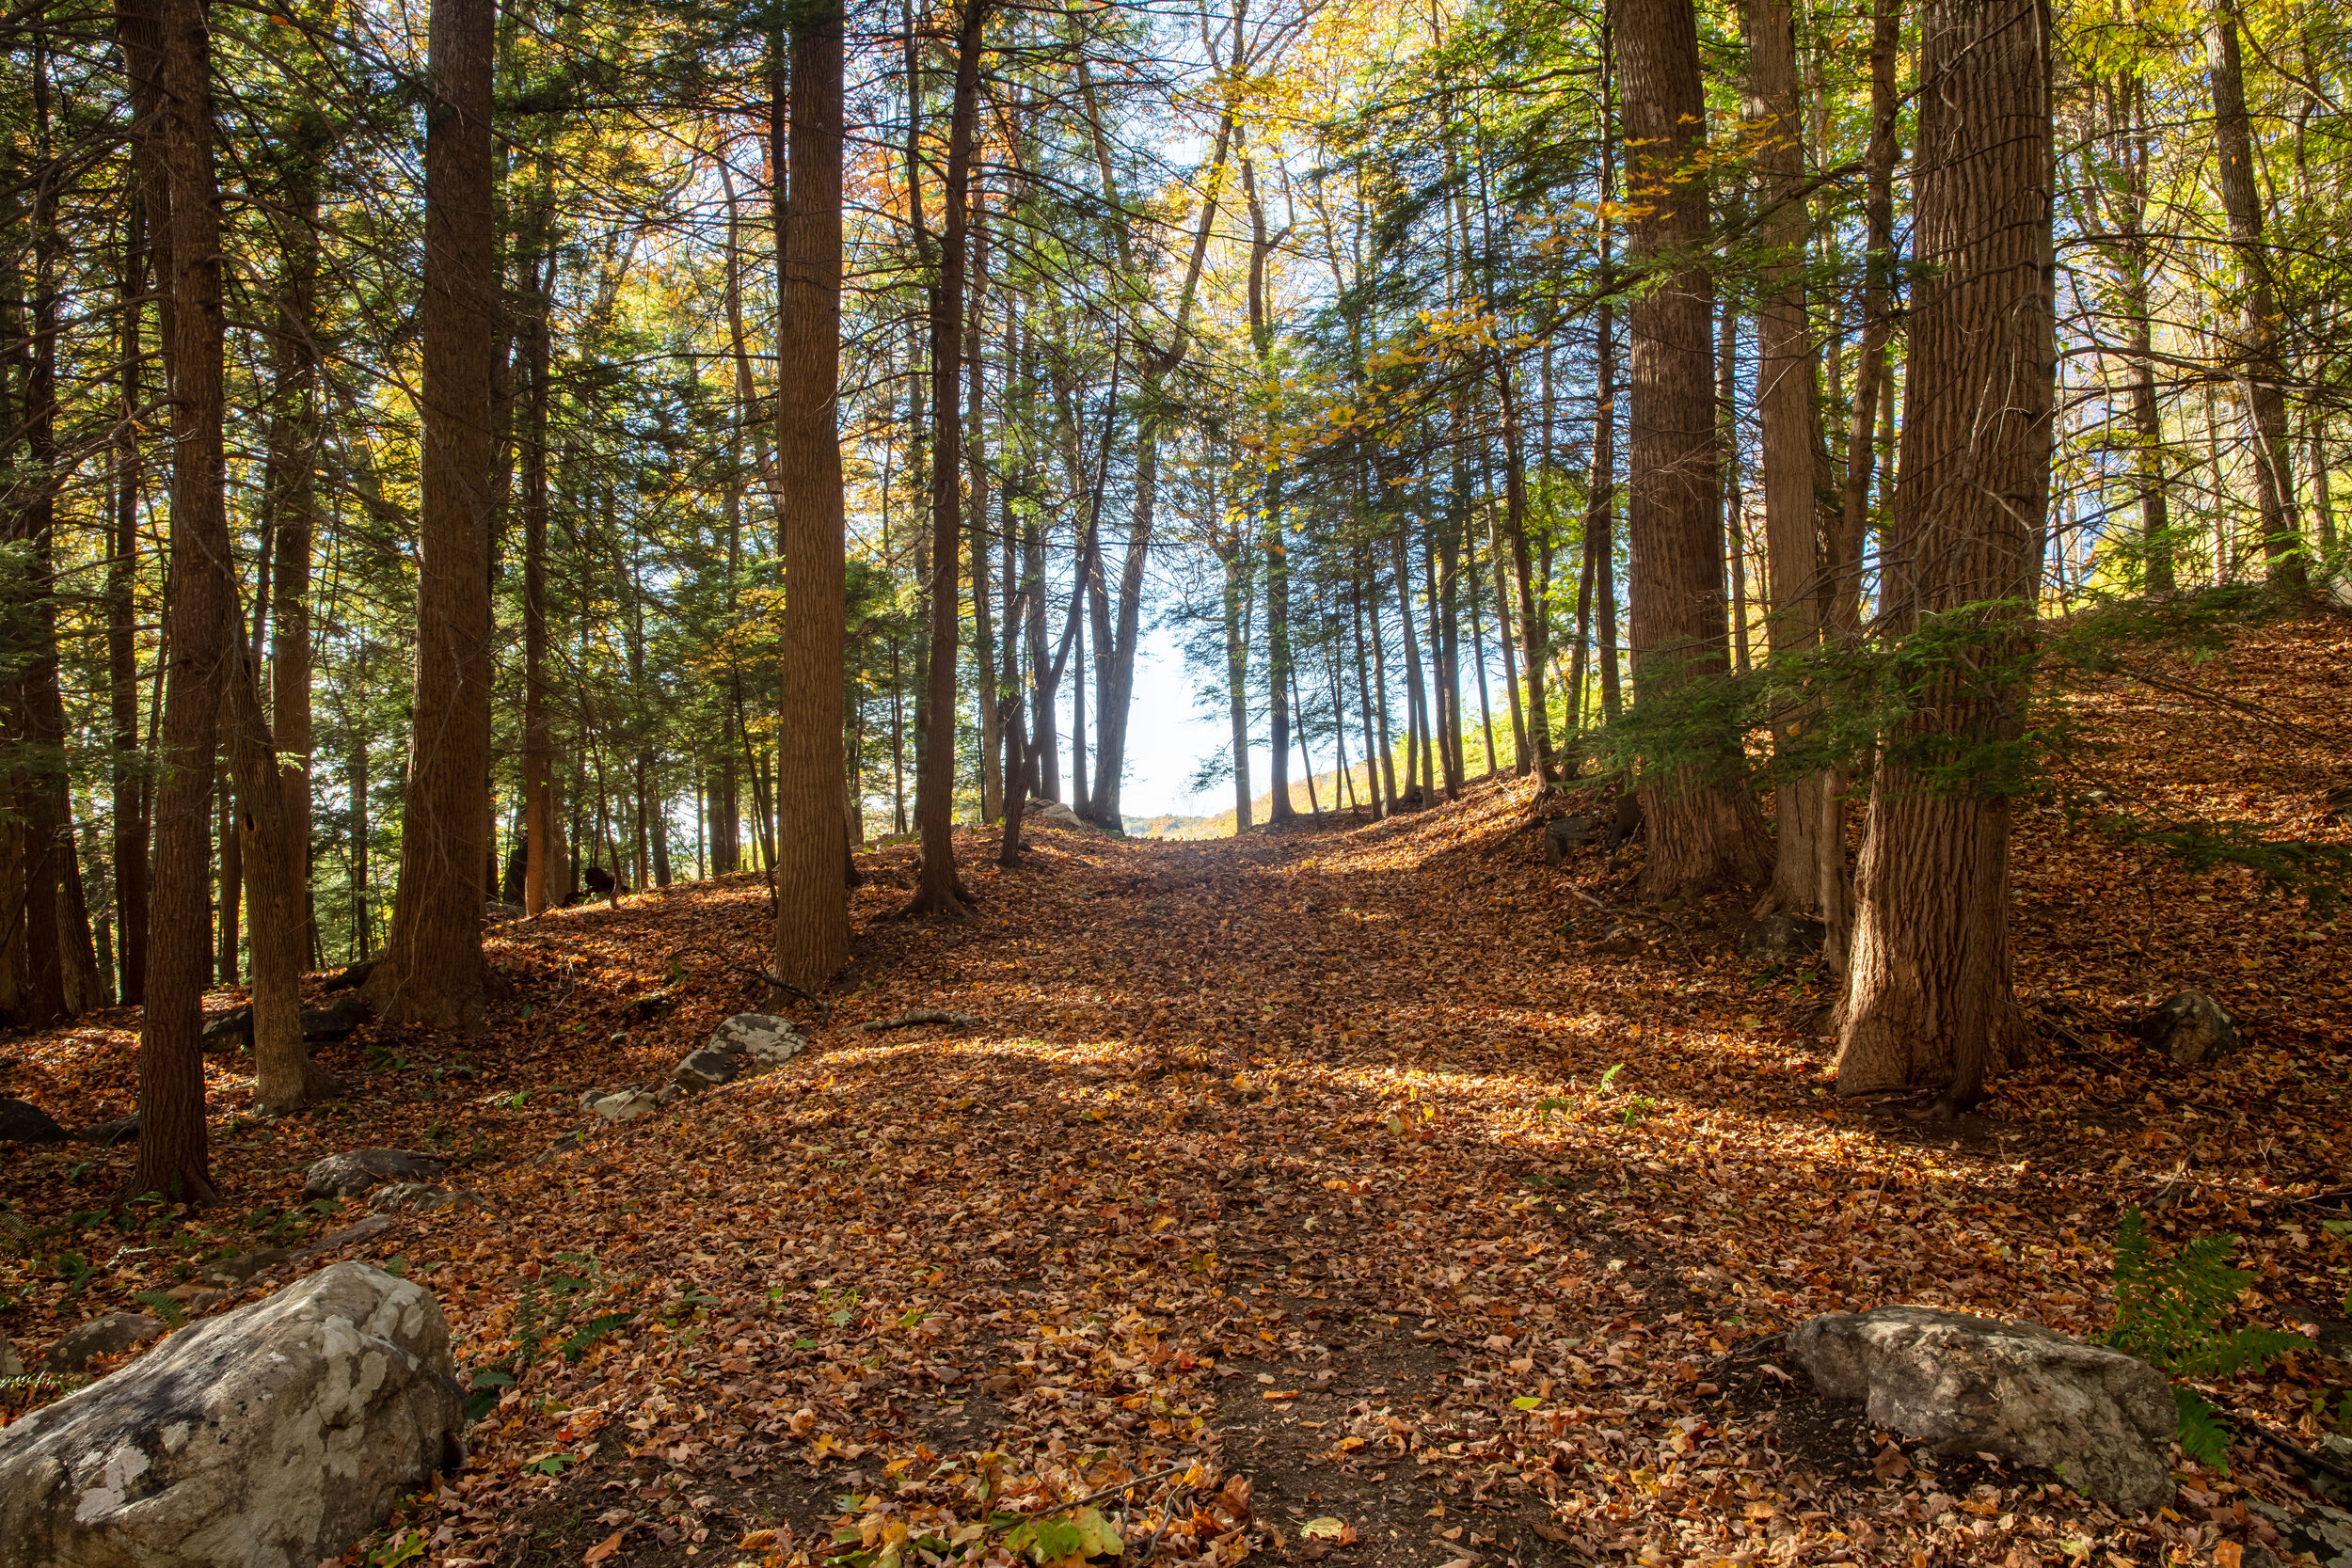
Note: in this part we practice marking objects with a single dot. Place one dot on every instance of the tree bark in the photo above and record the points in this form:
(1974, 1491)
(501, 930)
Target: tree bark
(292, 487)
(127, 776)
(1702, 830)
(939, 890)
(542, 877)
(1928, 995)
(1785, 398)
(2263, 368)
(430, 973)
(172, 1157)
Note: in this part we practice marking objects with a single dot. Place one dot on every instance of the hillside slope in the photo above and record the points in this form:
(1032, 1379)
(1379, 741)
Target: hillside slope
(1352, 1163)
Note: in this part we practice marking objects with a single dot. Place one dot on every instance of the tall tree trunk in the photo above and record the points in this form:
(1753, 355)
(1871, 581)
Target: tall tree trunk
(362, 925)
(1927, 996)
(1785, 400)
(1702, 830)
(431, 972)
(2128, 128)
(975, 459)
(36, 699)
(2262, 368)
(172, 1158)
(292, 482)
(543, 877)
(940, 890)
(1363, 690)
(1278, 654)
(128, 777)
(1239, 593)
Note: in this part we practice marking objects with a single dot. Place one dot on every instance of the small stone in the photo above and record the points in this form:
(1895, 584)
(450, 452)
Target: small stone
(108, 1336)
(1565, 833)
(230, 1030)
(337, 1021)
(2191, 1028)
(1053, 813)
(627, 1105)
(420, 1197)
(666, 1093)
(364, 1169)
(1779, 938)
(2325, 1532)
(21, 1122)
(707, 1069)
(10, 1365)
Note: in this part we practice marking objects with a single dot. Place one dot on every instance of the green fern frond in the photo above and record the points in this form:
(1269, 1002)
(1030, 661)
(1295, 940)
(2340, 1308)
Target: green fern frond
(2169, 1311)
(2248, 1350)
(2204, 1436)
(165, 1306)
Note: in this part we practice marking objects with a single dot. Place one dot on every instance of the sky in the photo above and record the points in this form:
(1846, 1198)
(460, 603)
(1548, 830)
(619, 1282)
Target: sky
(1168, 736)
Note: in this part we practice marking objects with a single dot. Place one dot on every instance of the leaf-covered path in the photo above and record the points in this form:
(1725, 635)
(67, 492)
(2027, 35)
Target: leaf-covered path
(1358, 1190)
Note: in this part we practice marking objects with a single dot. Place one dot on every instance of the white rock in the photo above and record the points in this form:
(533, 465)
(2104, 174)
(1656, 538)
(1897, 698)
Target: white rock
(627, 1105)
(272, 1436)
(2100, 1419)
(768, 1040)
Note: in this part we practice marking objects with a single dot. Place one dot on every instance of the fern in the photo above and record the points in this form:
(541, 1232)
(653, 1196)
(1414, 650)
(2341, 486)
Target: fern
(2168, 1313)
(165, 1305)
(2204, 1436)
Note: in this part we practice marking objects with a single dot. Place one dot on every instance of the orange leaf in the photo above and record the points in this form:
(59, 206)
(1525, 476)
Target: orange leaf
(603, 1548)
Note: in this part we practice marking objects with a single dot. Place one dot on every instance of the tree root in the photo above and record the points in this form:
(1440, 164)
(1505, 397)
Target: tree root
(921, 1015)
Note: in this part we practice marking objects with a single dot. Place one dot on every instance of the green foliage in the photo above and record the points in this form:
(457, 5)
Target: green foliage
(165, 1306)
(2169, 1313)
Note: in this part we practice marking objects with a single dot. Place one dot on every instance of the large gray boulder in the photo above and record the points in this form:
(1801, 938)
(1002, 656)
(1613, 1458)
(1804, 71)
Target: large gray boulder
(272, 1436)
(2191, 1028)
(1053, 813)
(2102, 1420)
(767, 1040)
(363, 1170)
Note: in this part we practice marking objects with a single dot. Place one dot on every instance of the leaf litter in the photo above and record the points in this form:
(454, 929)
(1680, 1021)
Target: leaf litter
(1347, 1191)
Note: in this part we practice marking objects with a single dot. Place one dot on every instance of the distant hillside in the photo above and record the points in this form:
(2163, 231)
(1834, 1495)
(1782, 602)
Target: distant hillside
(1221, 825)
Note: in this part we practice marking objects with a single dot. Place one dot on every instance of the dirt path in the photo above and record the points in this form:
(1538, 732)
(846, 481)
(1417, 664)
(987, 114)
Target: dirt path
(1353, 1193)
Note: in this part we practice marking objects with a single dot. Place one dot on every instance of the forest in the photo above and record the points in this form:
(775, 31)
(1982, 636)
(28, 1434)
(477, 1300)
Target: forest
(495, 498)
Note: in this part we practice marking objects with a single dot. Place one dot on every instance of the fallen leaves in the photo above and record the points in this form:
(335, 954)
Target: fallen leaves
(1293, 1180)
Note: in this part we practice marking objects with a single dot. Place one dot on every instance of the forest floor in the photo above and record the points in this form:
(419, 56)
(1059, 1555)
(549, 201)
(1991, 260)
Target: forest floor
(1347, 1190)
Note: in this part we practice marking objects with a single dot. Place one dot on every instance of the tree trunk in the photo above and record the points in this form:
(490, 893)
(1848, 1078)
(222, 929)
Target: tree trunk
(1928, 993)
(36, 699)
(128, 777)
(293, 481)
(431, 972)
(543, 878)
(1239, 592)
(2263, 368)
(975, 460)
(1784, 374)
(362, 931)
(1702, 830)
(939, 890)
(172, 1158)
